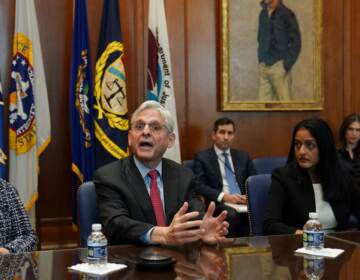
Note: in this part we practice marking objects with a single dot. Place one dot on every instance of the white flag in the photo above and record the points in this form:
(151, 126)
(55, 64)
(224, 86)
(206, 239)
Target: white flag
(29, 117)
(159, 72)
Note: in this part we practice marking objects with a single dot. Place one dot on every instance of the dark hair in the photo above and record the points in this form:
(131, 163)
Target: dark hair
(328, 168)
(223, 121)
(263, 4)
(348, 120)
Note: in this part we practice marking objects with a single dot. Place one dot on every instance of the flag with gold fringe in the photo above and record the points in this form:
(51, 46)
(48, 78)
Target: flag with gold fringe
(29, 117)
(81, 104)
(111, 112)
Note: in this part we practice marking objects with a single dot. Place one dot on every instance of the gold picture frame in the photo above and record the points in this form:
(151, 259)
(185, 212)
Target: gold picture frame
(239, 67)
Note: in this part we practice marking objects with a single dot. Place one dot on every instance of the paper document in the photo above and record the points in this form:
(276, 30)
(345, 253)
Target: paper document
(97, 269)
(325, 252)
(240, 208)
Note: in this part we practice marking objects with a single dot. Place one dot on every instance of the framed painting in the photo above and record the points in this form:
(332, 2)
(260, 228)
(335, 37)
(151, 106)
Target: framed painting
(271, 55)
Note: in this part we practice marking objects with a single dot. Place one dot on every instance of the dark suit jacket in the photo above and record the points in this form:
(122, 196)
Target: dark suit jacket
(291, 198)
(352, 165)
(207, 170)
(124, 205)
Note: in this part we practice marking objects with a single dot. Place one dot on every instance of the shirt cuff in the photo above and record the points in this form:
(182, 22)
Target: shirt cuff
(220, 197)
(146, 237)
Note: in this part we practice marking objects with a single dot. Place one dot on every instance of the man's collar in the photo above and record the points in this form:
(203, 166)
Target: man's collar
(144, 170)
(220, 152)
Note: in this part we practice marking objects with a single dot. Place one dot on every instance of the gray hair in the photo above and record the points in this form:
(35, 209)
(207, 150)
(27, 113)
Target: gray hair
(164, 113)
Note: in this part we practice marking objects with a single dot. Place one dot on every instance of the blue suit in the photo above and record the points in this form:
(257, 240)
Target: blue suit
(207, 171)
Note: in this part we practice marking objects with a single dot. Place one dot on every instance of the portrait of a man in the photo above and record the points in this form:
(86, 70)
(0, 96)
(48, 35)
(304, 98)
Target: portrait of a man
(279, 45)
(271, 55)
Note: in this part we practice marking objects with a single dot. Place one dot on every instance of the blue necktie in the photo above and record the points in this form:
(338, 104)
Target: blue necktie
(230, 176)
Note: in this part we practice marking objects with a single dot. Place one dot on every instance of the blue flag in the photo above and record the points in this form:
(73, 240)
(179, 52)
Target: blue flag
(81, 98)
(81, 103)
(3, 157)
(111, 112)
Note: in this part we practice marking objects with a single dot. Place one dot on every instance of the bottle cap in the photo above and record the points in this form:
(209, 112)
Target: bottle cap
(313, 215)
(96, 227)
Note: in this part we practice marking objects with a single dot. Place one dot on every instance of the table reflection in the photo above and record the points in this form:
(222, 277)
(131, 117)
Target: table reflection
(208, 264)
(260, 258)
(351, 236)
(313, 267)
(252, 258)
(273, 257)
(18, 266)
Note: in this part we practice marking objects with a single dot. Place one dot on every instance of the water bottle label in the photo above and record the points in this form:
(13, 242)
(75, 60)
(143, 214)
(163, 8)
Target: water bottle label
(313, 238)
(97, 251)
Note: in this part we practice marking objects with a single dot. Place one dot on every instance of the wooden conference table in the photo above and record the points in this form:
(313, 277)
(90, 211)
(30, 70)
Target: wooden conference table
(268, 257)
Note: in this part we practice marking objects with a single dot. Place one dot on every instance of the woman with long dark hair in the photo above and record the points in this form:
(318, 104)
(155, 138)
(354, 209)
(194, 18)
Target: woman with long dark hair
(349, 136)
(312, 181)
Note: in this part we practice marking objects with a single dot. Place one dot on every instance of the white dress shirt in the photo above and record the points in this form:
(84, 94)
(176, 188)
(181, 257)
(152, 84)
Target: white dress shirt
(325, 213)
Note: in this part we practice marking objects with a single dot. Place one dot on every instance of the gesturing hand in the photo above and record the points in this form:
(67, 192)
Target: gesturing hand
(4, 250)
(214, 228)
(181, 230)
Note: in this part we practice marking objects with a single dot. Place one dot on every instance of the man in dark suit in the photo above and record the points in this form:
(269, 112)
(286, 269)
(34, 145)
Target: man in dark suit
(148, 199)
(222, 172)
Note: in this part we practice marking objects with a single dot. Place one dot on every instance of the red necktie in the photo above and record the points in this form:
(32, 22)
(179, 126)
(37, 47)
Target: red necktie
(156, 199)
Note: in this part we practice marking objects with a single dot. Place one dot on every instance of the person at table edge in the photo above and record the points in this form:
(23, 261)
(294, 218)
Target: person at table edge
(312, 181)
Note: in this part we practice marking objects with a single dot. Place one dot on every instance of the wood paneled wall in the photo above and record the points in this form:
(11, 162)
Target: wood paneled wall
(193, 35)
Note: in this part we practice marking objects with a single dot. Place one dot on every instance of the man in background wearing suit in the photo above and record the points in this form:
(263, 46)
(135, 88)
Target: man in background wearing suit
(222, 172)
(148, 199)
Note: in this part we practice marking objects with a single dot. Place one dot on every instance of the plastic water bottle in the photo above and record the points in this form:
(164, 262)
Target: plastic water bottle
(313, 234)
(97, 246)
(314, 267)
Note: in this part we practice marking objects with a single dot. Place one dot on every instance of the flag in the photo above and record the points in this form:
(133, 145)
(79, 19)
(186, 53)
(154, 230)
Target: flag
(111, 112)
(3, 157)
(29, 117)
(159, 74)
(81, 104)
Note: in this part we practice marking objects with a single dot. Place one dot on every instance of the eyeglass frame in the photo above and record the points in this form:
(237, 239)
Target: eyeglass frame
(152, 127)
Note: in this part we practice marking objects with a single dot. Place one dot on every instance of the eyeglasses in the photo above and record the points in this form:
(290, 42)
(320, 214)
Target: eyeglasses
(154, 127)
(308, 144)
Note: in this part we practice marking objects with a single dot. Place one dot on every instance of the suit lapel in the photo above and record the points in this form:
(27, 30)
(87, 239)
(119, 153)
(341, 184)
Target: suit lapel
(214, 163)
(303, 181)
(169, 178)
(237, 170)
(235, 163)
(137, 186)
